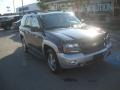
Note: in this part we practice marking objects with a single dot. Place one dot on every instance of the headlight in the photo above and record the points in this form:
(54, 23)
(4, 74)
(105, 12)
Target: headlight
(92, 32)
(71, 48)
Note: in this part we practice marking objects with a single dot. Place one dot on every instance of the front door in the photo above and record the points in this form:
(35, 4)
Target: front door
(36, 36)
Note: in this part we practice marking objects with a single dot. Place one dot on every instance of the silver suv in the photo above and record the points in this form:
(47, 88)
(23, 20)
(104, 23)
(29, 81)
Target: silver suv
(63, 39)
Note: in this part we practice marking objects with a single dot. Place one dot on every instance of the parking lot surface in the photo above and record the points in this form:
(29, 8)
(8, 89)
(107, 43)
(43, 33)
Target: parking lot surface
(21, 71)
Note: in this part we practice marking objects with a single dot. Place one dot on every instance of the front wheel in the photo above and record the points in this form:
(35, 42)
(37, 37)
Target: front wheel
(53, 61)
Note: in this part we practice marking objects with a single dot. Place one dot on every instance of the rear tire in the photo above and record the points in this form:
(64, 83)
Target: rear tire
(53, 62)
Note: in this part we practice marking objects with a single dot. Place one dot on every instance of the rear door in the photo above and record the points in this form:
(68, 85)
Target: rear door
(25, 28)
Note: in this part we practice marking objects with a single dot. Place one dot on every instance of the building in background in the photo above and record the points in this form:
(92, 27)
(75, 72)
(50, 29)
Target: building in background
(88, 9)
(28, 8)
(102, 9)
(61, 5)
(106, 10)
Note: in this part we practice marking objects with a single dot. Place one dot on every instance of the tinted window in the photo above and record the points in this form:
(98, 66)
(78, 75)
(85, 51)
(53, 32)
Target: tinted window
(35, 22)
(23, 21)
(59, 20)
(28, 21)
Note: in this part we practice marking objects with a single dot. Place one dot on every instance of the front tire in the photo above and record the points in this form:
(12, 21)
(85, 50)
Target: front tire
(53, 61)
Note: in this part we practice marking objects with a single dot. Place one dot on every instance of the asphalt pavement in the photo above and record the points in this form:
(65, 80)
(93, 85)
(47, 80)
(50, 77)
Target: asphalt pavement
(21, 71)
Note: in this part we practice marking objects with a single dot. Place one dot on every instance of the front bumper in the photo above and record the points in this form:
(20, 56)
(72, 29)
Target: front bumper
(77, 60)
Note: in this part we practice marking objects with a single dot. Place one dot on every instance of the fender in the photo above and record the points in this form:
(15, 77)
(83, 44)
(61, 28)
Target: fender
(51, 44)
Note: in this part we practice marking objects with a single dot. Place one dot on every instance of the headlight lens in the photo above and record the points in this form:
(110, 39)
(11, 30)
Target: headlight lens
(71, 48)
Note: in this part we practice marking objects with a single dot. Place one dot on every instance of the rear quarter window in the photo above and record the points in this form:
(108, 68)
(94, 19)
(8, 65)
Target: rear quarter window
(23, 20)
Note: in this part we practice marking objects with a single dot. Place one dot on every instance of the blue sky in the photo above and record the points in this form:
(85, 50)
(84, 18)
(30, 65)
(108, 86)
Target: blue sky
(5, 3)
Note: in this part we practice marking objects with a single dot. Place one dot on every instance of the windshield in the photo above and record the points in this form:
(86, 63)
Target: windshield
(59, 20)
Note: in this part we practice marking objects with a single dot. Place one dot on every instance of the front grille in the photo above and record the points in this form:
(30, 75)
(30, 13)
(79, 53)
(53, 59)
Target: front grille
(92, 49)
(93, 45)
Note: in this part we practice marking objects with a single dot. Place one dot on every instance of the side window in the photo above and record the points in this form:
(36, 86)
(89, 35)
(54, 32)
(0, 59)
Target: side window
(35, 22)
(23, 21)
(28, 22)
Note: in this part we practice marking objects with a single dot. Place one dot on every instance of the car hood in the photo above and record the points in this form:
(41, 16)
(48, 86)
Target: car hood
(68, 34)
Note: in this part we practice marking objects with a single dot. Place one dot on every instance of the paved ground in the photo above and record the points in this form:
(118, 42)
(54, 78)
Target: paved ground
(20, 71)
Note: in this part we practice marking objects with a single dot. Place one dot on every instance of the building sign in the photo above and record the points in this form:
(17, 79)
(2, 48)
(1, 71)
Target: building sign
(105, 7)
(100, 7)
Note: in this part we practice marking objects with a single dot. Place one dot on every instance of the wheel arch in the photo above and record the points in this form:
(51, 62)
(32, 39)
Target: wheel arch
(48, 44)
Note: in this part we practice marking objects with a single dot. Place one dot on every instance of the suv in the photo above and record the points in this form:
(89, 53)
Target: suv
(63, 39)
